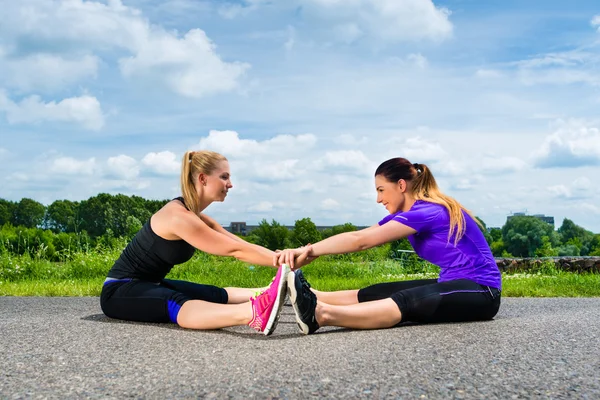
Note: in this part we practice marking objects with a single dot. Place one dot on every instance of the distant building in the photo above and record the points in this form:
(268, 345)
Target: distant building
(241, 228)
(547, 219)
(238, 228)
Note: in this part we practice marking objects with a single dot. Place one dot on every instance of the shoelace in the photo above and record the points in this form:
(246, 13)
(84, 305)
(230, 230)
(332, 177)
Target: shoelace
(261, 291)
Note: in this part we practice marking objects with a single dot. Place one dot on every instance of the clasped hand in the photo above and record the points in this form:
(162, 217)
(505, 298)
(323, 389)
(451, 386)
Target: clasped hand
(295, 258)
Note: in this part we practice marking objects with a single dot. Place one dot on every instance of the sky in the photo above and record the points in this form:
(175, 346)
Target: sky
(305, 98)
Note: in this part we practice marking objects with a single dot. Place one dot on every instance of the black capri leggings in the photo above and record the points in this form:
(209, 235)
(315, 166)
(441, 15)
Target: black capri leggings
(143, 301)
(428, 300)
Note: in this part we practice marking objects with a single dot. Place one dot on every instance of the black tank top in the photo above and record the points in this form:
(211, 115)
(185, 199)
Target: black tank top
(150, 257)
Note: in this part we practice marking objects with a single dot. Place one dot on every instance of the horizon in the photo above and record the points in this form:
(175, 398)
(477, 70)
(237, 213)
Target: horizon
(305, 98)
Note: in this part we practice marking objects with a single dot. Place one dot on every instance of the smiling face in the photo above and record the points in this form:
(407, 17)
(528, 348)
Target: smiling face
(391, 194)
(217, 184)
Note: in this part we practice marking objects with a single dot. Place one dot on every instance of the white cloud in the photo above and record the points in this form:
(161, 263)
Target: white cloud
(163, 163)
(234, 10)
(72, 166)
(580, 188)
(84, 110)
(419, 150)
(19, 176)
(262, 206)
(573, 144)
(354, 160)
(231, 11)
(593, 208)
(291, 38)
(582, 183)
(390, 20)
(596, 21)
(274, 171)
(329, 204)
(351, 140)
(418, 60)
(500, 165)
(462, 184)
(79, 31)
(189, 66)
(348, 32)
(560, 191)
(122, 167)
(263, 161)
(231, 146)
(563, 68)
(488, 74)
(46, 71)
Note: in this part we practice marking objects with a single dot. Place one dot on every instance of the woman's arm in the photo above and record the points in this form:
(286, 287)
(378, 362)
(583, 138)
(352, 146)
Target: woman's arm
(187, 226)
(348, 242)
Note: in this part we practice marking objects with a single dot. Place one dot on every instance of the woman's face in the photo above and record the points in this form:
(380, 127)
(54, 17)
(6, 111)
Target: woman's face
(218, 182)
(390, 194)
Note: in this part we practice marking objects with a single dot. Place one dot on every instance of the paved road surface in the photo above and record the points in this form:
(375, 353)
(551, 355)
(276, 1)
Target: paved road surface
(65, 348)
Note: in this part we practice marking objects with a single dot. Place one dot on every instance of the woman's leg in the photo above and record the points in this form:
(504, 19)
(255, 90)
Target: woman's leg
(212, 307)
(241, 295)
(199, 314)
(340, 297)
(370, 315)
(453, 301)
(149, 302)
(378, 291)
(213, 294)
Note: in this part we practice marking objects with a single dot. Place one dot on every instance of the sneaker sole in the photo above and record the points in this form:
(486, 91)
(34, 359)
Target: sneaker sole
(279, 301)
(291, 287)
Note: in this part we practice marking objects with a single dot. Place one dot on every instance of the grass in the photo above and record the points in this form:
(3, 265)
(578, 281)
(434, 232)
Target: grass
(82, 274)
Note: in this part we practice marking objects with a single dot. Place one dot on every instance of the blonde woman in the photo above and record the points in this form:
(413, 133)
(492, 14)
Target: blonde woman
(440, 230)
(136, 289)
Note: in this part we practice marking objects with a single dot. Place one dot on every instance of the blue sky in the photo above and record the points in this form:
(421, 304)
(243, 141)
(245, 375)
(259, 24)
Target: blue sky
(305, 98)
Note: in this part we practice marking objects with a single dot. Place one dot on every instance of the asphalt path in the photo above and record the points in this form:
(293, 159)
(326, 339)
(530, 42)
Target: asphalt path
(66, 348)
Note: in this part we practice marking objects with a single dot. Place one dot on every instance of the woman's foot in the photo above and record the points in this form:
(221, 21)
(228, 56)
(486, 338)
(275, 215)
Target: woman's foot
(266, 307)
(304, 302)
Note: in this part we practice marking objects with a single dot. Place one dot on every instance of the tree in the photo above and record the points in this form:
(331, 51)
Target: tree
(7, 211)
(483, 228)
(273, 236)
(337, 229)
(522, 235)
(61, 216)
(29, 213)
(499, 249)
(305, 231)
(496, 234)
(133, 225)
(94, 212)
(546, 249)
(572, 234)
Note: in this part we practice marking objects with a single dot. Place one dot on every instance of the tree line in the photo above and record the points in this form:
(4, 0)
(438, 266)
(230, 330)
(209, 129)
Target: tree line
(110, 220)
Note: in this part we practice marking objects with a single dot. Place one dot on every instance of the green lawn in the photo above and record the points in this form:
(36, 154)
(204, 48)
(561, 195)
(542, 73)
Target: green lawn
(83, 274)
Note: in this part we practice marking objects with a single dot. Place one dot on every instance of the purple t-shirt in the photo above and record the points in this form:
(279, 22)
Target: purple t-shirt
(471, 258)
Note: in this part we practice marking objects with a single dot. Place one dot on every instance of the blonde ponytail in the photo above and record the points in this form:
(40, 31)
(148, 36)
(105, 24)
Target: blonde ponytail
(192, 165)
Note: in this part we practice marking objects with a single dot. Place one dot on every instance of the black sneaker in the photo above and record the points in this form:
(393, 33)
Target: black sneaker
(304, 302)
(302, 278)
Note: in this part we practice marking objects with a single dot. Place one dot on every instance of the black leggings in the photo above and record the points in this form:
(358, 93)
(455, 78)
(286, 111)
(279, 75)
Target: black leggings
(428, 300)
(137, 300)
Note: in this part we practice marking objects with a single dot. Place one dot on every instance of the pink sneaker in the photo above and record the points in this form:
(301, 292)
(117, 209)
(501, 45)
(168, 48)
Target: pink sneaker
(266, 307)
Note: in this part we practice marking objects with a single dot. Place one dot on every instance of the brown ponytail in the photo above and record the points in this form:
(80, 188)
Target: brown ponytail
(424, 187)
